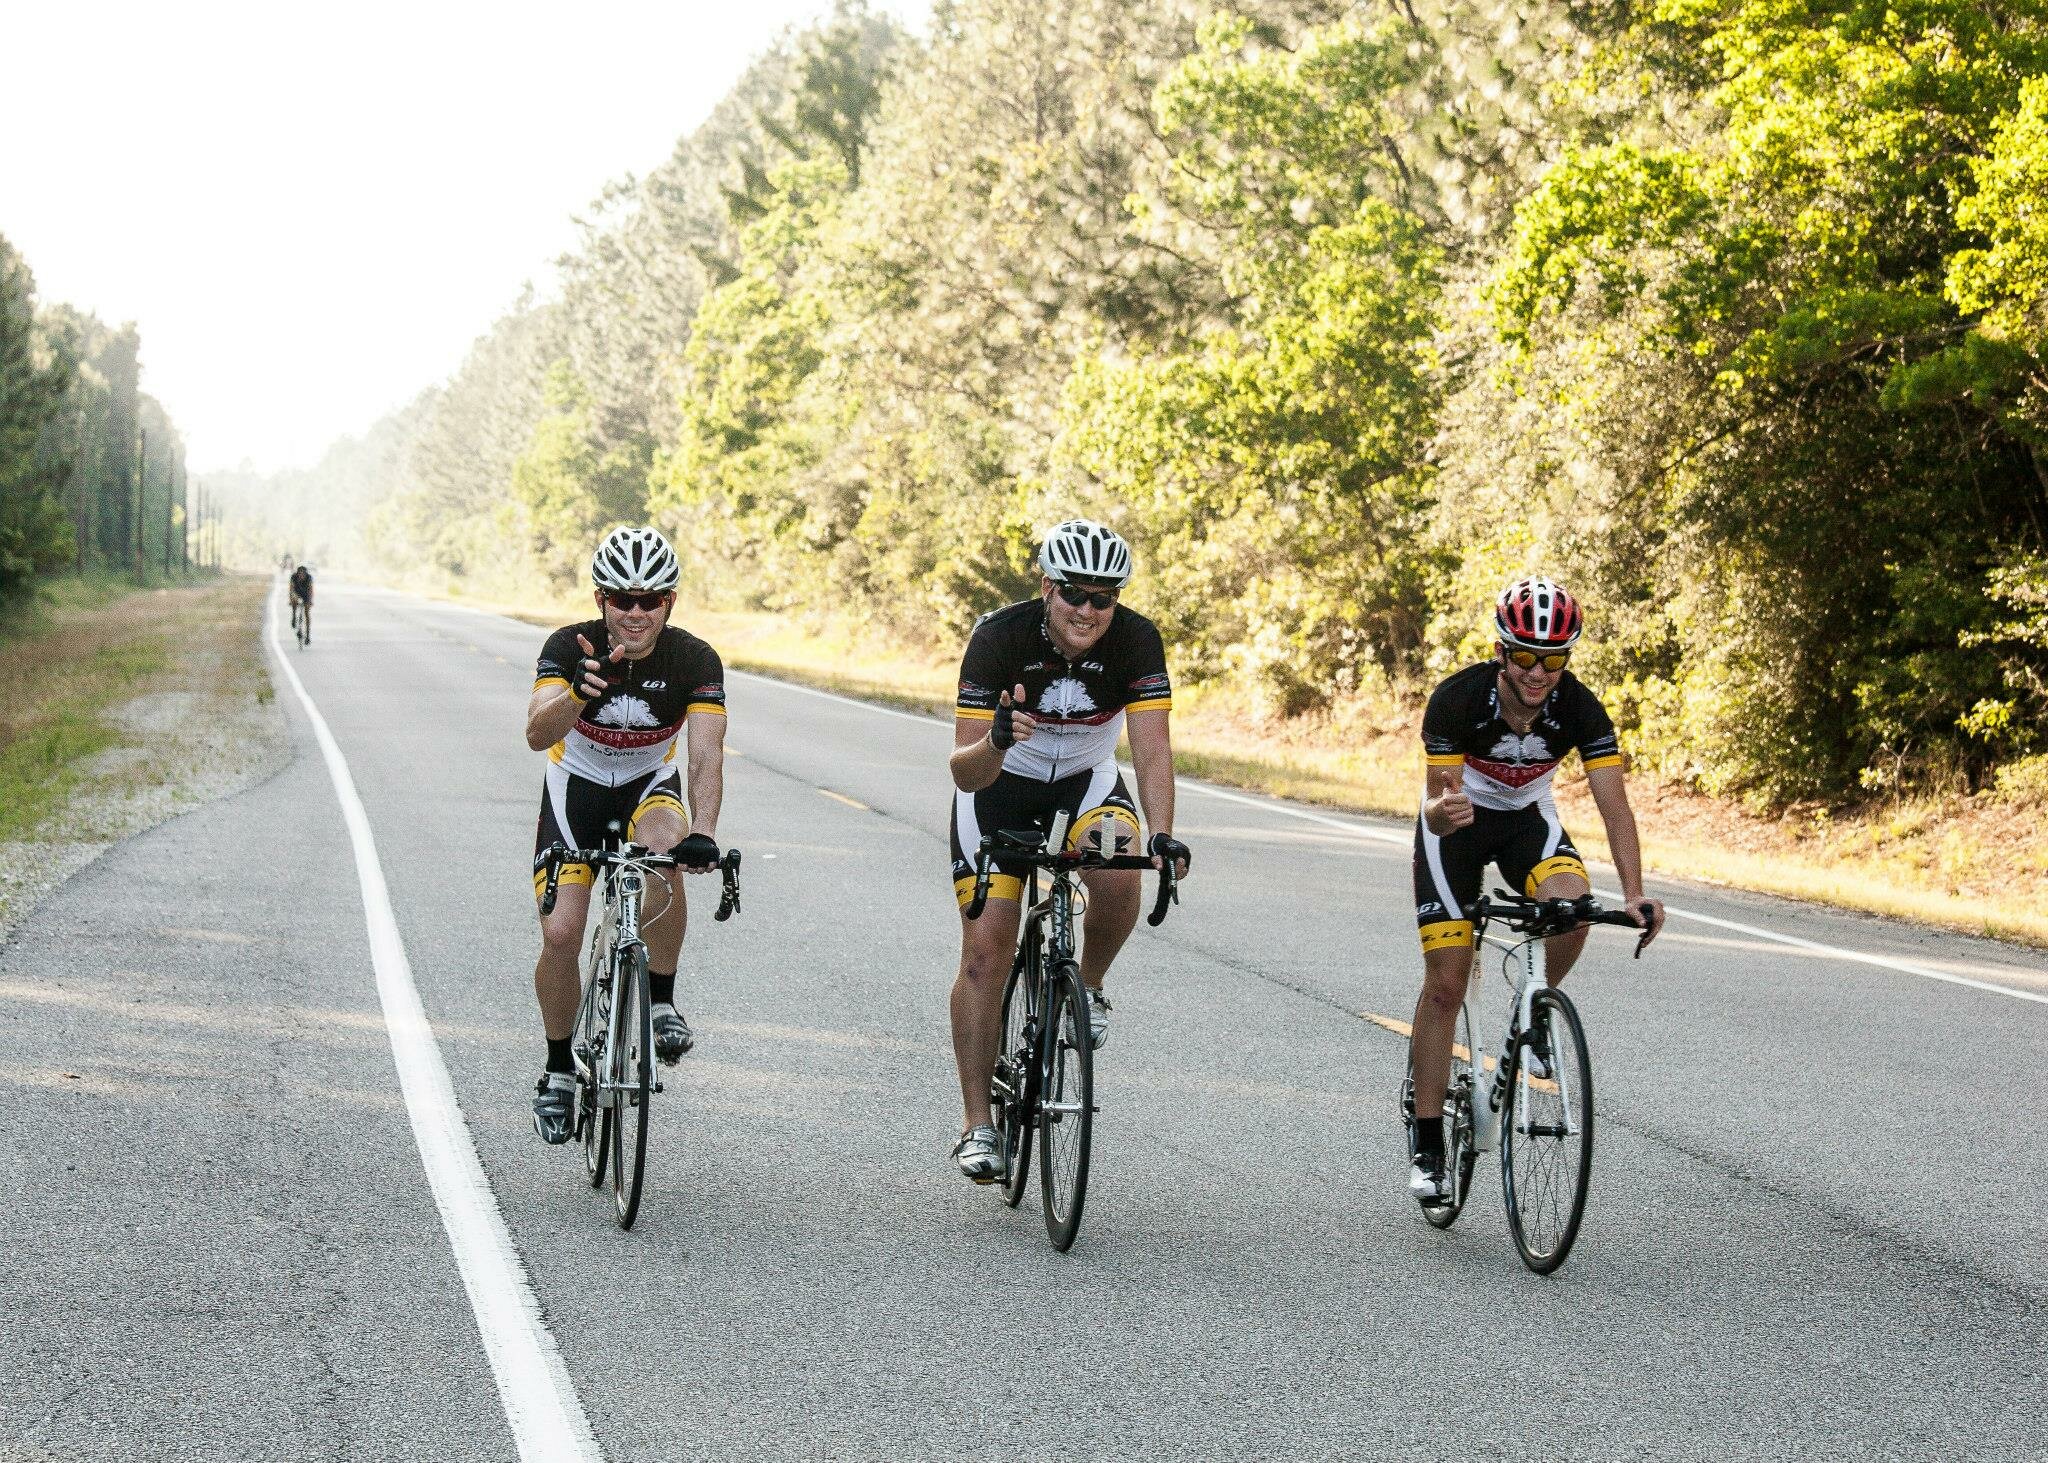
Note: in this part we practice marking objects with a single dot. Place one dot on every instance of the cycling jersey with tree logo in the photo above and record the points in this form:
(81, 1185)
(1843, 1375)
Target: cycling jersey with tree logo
(631, 729)
(1506, 769)
(1079, 704)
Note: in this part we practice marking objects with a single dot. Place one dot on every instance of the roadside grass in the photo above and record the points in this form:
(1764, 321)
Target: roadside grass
(1977, 865)
(85, 650)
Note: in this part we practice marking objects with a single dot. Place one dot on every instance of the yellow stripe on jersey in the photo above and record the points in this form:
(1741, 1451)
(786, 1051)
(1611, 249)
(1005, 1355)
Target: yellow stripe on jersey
(561, 681)
(1564, 863)
(711, 707)
(1612, 760)
(1162, 703)
(558, 751)
(969, 713)
(1446, 934)
(1456, 759)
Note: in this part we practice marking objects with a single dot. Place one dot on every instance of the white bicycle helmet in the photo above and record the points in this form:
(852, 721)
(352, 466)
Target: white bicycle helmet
(1081, 548)
(635, 561)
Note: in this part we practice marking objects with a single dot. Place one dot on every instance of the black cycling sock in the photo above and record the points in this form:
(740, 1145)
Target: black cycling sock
(1429, 1136)
(661, 988)
(559, 1059)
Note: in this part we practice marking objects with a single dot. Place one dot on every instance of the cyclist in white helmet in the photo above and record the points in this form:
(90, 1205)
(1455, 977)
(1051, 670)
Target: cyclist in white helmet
(1047, 687)
(612, 699)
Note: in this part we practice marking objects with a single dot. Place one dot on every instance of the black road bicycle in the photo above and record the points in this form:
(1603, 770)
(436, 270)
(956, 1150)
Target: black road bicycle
(1534, 1099)
(613, 1041)
(302, 622)
(1045, 1069)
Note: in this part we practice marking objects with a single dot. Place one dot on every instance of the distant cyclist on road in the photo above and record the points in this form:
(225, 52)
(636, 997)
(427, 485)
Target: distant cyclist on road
(1047, 687)
(301, 589)
(611, 698)
(1493, 736)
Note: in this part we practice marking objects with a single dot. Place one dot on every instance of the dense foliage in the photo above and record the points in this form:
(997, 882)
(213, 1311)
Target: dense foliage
(92, 474)
(1731, 312)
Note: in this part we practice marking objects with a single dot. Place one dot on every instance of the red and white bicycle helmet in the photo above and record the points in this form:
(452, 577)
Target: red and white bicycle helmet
(1537, 614)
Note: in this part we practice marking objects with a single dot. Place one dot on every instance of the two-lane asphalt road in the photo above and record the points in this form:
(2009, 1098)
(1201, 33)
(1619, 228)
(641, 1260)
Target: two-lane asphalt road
(1817, 1223)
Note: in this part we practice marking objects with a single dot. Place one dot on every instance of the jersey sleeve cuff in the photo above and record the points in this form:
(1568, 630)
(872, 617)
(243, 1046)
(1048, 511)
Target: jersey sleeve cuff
(973, 713)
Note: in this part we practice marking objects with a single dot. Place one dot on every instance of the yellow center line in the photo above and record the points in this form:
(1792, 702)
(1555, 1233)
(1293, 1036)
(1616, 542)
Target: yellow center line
(840, 797)
(1486, 1064)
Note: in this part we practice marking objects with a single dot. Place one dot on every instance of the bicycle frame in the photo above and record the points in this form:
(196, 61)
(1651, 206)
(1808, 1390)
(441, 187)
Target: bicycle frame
(1524, 965)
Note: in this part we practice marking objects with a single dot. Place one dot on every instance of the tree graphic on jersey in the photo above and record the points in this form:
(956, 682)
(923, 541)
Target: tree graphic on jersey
(1066, 698)
(626, 711)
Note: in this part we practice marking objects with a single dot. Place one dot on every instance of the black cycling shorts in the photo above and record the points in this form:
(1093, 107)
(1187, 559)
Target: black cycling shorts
(578, 813)
(1528, 844)
(1012, 804)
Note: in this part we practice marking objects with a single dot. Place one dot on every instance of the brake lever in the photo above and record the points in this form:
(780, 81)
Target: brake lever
(729, 898)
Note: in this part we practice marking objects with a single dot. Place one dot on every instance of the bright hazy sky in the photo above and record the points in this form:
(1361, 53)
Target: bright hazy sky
(311, 211)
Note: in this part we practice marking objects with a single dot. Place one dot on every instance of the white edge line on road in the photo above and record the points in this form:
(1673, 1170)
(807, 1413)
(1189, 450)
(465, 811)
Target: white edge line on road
(540, 1402)
(1382, 835)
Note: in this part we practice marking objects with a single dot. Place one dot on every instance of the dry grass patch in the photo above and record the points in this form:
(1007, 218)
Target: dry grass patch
(94, 650)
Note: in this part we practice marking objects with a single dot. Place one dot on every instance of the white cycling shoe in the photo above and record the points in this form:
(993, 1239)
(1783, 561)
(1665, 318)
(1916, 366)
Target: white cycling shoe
(980, 1155)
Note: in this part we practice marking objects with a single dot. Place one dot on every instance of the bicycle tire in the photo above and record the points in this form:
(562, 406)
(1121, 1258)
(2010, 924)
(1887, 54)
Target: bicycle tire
(1066, 1106)
(633, 1020)
(1546, 1138)
(593, 1120)
(1460, 1093)
(1013, 1089)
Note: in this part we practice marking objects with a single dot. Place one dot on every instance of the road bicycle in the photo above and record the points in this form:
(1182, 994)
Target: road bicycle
(1533, 1099)
(1044, 1078)
(613, 1041)
(302, 622)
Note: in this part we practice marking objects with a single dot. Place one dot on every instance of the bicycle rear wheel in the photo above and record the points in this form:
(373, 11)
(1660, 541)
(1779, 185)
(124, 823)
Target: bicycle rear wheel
(1066, 1108)
(1460, 1152)
(593, 1118)
(1014, 1088)
(634, 1072)
(1546, 1136)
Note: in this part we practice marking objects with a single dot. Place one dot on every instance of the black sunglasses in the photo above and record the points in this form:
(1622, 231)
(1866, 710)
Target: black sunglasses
(625, 602)
(1077, 596)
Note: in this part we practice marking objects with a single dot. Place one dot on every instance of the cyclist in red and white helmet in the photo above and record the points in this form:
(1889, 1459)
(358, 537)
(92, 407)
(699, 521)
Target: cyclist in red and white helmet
(1493, 736)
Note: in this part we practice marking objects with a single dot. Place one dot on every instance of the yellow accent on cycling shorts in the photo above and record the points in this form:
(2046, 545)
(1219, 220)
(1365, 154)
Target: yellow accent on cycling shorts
(1100, 814)
(1000, 886)
(571, 874)
(1446, 934)
(1564, 863)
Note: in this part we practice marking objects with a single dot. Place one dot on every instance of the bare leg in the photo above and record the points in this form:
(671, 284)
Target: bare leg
(1444, 973)
(986, 948)
(1561, 952)
(556, 981)
(1113, 898)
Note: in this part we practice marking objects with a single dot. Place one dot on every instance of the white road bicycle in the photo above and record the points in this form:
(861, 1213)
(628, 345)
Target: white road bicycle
(614, 1035)
(1533, 1098)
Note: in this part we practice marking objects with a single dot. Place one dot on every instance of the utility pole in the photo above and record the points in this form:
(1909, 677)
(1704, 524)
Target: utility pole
(141, 472)
(170, 506)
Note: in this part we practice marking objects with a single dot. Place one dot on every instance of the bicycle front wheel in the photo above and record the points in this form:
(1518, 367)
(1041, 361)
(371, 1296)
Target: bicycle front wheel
(1546, 1134)
(1066, 1108)
(633, 1070)
(1014, 1087)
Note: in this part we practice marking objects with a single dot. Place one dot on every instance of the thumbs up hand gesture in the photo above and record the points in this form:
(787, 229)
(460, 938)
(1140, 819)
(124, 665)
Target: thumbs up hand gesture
(1450, 809)
(1012, 724)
